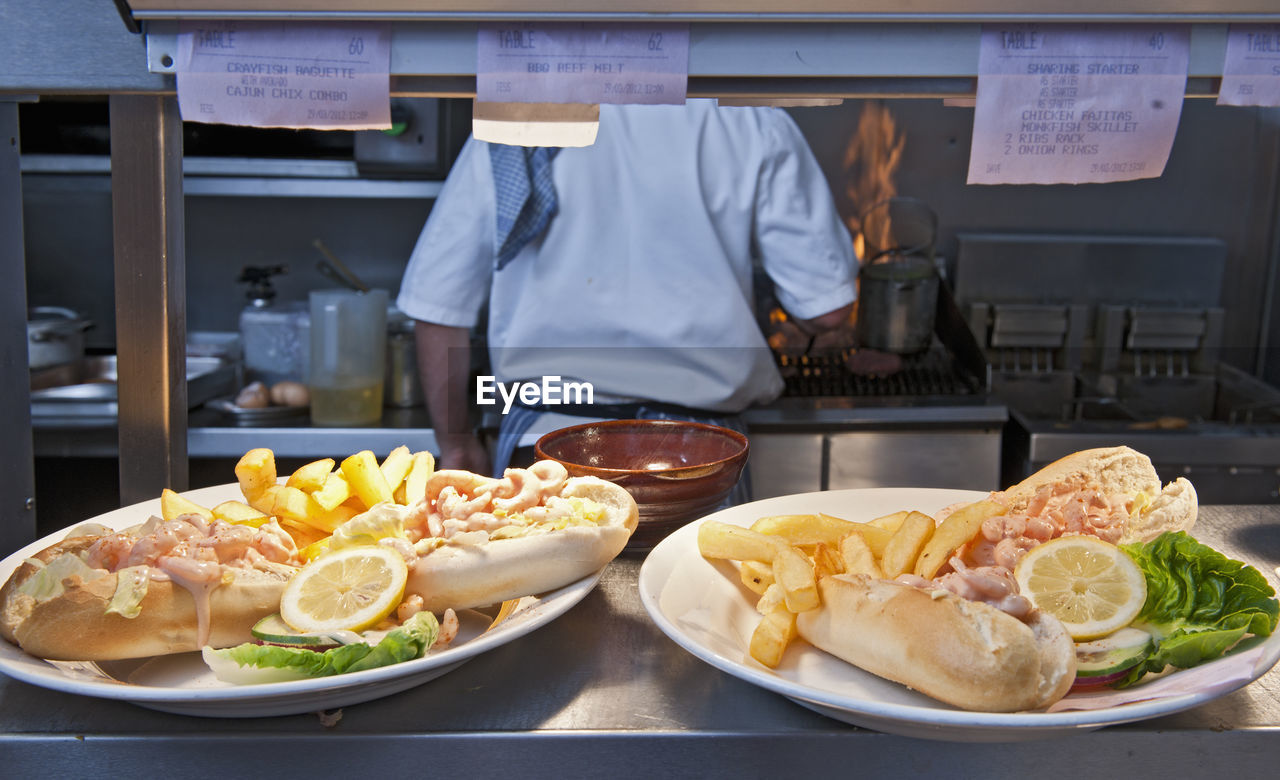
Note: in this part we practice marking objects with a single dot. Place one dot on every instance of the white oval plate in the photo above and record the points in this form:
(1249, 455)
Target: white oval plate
(704, 608)
(183, 684)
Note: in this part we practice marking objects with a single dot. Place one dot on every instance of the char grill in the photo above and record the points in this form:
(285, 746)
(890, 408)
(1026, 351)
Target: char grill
(826, 375)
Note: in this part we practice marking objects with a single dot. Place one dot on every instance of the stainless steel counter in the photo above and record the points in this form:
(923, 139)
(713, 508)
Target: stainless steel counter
(798, 445)
(602, 692)
(211, 435)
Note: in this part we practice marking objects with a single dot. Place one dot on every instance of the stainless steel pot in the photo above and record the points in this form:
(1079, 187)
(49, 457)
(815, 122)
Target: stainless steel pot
(54, 336)
(897, 302)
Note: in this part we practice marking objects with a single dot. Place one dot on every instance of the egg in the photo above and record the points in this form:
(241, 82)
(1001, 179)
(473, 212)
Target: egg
(290, 394)
(253, 396)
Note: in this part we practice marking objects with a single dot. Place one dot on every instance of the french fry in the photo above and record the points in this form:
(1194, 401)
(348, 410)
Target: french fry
(905, 545)
(858, 557)
(415, 484)
(771, 636)
(891, 522)
(293, 504)
(955, 529)
(366, 479)
(265, 500)
(771, 599)
(756, 576)
(311, 477)
(826, 561)
(396, 466)
(328, 520)
(794, 573)
(303, 534)
(285, 503)
(334, 492)
(877, 538)
(256, 471)
(240, 513)
(721, 540)
(802, 530)
(314, 550)
(173, 505)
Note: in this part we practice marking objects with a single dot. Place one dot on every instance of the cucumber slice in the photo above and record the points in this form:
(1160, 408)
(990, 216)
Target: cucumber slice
(1113, 653)
(273, 630)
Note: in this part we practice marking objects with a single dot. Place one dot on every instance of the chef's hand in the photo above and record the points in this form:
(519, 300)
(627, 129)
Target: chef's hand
(464, 452)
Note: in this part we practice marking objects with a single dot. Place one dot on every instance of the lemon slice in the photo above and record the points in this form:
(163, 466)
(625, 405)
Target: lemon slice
(1088, 584)
(346, 590)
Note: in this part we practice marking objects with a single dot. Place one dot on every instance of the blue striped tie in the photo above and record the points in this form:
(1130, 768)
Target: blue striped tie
(526, 196)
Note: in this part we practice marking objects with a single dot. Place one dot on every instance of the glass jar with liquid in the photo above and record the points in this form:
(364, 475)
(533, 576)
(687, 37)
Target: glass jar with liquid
(348, 356)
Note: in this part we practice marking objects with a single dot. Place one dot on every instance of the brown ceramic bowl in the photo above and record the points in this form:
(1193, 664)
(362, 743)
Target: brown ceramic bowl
(677, 471)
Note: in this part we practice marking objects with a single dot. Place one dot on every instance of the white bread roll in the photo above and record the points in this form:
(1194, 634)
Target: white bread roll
(462, 576)
(75, 625)
(1174, 508)
(961, 652)
(1123, 471)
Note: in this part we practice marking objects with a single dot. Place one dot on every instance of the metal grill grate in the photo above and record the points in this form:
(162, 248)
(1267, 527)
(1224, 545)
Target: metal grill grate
(931, 373)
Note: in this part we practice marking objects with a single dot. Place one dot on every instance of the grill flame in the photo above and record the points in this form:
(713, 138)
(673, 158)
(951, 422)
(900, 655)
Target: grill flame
(870, 162)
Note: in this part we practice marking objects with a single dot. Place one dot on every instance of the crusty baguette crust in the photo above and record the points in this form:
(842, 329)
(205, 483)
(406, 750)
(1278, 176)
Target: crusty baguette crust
(965, 653)
(76, 626)
(1112, 469)
(15, 607)
(461, 576)
(1117, 470)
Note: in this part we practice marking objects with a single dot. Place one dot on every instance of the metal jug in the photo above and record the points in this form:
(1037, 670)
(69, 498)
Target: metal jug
(403, 384)
(897, 300)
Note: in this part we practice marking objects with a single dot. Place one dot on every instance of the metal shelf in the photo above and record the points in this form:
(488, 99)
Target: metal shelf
(230, 177)
(738, 48)
(749, 11)
(804, 58)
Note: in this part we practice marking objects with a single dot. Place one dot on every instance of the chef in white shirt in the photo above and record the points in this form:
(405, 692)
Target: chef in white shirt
(628, 268)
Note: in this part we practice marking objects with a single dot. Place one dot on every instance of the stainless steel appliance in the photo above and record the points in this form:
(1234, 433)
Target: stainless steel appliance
(845, 421)
(55, 336)
(1104, 340)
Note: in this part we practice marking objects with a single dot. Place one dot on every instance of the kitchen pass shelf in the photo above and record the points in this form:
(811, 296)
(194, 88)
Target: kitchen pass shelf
(744, 10)
(813, 60)
(738, 48)
(743, 48)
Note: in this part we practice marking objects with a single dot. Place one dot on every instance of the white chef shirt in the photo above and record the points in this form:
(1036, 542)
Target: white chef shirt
(642, 284)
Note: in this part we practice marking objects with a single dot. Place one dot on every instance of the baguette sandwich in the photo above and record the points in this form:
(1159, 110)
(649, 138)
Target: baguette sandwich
(188, 583)
(479, 541)
(959, 630)
(153, 589)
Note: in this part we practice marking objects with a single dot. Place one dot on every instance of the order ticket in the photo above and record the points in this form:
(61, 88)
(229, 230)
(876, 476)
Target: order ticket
(285, 74)
(1251, 68)
(1070, 104)
(533, 62)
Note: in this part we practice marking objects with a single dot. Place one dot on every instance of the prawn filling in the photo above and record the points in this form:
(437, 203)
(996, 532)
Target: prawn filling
(1055, 511)
(982, 568)
(523, 502)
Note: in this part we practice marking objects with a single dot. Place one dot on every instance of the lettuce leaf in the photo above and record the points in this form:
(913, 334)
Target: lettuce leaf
(131, 589)
(47, 582)
(254, 663)
(1200, 603)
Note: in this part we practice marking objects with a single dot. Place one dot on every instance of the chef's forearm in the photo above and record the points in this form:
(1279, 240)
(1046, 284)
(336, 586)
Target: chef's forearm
(444, 359)
(824, 322)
